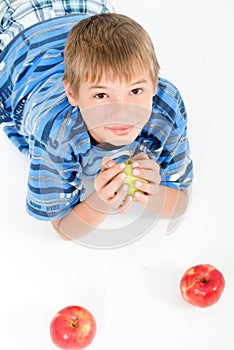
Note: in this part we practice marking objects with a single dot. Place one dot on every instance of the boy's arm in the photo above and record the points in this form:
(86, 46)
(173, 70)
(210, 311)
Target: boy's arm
(81, 220)
(89, 214)
(169, 202)
(162, 201)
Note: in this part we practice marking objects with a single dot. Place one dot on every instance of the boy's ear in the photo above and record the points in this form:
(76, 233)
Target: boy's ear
(69, 93)
(156, 87)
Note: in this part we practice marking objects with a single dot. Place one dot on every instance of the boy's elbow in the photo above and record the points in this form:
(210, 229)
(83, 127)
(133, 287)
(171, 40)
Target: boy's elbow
(56, 224)
(176, 203)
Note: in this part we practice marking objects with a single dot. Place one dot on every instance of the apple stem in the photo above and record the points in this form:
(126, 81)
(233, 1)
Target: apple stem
(130, 157)
(74, 323)
(202, 279)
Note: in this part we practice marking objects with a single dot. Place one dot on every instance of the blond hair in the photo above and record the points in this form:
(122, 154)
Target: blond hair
(108, 43)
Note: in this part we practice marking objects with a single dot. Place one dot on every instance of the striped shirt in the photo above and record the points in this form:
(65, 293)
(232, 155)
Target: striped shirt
(39, 120)
(15, 16)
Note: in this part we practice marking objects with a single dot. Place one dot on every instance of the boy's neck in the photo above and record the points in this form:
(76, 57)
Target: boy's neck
(105, 145)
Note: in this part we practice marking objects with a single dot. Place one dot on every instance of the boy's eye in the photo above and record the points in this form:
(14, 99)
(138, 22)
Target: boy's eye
(101, 95)
(136, 91)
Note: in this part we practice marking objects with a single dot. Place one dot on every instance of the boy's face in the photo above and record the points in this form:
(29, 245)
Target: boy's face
(115, 111)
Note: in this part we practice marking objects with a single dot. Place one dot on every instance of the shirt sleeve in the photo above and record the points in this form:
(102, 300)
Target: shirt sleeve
(54, 185)
(175, 160)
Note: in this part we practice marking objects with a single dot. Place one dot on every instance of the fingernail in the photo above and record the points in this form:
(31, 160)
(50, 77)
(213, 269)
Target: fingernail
(129, 199)
(123, 176)
(125, 187)
(137, 194)
(110, 164)
(135, 165)
(122, 166)
(138, 183)
(136, 172)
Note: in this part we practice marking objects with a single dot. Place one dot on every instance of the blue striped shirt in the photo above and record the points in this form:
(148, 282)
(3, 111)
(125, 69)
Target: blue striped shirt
(15, 16)
(42, 124)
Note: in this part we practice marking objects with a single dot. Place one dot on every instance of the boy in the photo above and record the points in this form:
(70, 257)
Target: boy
(80, 93)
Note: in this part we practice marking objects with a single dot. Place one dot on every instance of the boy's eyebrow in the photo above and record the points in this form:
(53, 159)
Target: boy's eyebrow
(139, 82)
(97, 87)
(105, 87)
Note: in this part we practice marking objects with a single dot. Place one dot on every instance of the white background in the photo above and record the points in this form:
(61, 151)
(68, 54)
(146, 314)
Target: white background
(133, 291)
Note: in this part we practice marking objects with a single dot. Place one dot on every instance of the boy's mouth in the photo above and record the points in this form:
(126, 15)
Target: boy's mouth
(120, 129)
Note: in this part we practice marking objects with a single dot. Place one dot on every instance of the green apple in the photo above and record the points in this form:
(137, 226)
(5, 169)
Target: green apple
(130, 179)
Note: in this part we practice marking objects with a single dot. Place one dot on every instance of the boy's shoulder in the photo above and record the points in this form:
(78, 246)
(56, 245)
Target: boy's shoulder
(61, 132)
(168, 101)
(166, 87)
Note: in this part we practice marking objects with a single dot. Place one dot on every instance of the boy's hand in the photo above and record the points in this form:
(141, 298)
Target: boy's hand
(146, 168)
(110, 189)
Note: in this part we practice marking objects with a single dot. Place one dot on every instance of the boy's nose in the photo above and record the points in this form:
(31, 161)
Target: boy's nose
(119, 99)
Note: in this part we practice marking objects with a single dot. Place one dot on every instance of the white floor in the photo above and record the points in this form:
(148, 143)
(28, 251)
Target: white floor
(133, 291)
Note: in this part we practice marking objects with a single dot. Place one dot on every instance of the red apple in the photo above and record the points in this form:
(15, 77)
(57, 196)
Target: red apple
(202, 285)
(73, 328)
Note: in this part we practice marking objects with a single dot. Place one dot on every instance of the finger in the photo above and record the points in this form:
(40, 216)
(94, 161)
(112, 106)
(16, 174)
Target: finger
(126, 206)
(148, 188)
(120, 199)
(142, 186)
(139, 156)
(112, 171)
(144, 163)
(141, 198)
(111, 188)
(105, 176)
(122, 192)
(149, 175)
(107, 163)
